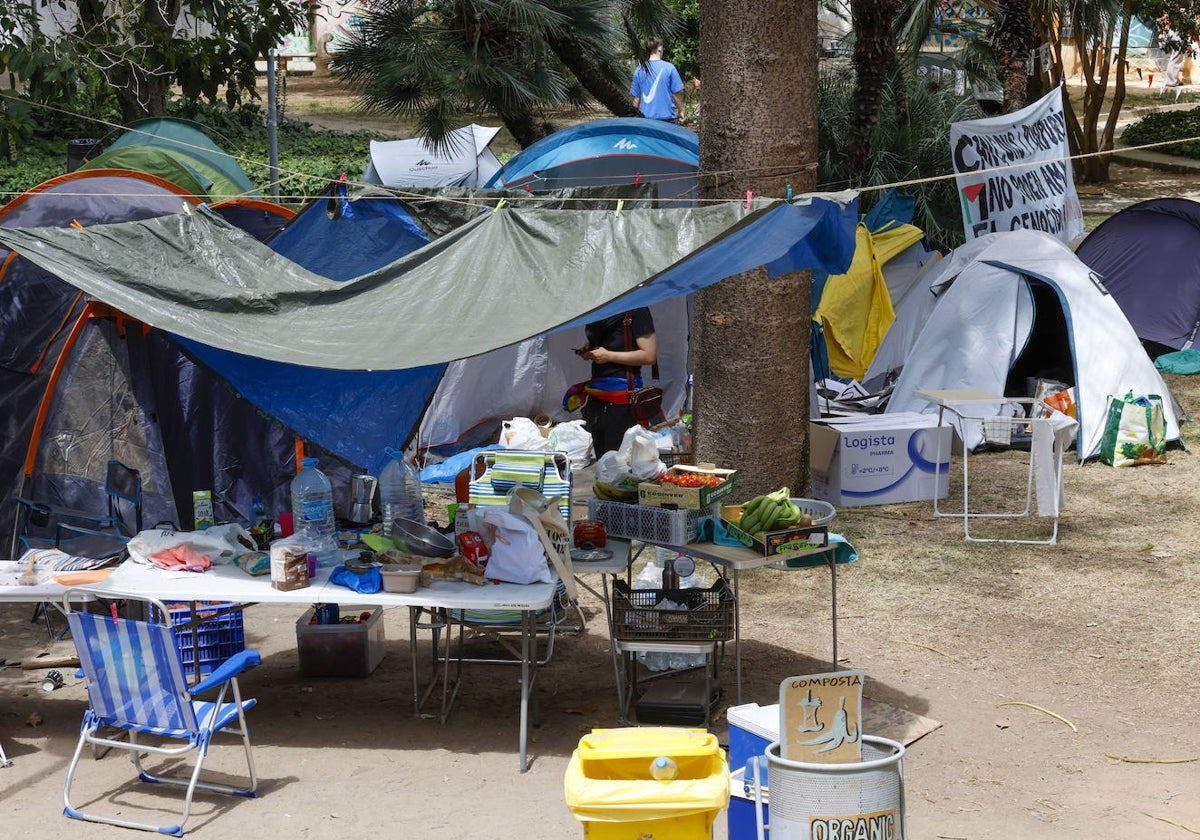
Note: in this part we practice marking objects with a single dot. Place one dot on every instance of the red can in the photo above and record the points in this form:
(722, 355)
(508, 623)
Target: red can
(472, 546)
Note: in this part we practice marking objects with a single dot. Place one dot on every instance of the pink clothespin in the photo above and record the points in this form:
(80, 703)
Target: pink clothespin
(112, 608)
(749, 196)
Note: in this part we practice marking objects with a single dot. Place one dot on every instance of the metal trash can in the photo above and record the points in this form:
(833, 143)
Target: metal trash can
(82, 150)
(824, 801)
(610, 789)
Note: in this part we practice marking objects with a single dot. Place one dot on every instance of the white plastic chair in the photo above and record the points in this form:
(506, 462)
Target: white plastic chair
(135, 682)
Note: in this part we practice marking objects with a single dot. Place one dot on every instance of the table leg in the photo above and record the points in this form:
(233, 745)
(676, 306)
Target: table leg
(737, 633)
(414, 615)
(527, 631)
(833, 602)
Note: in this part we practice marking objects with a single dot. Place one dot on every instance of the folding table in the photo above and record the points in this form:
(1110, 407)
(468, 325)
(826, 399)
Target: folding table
(229, 583)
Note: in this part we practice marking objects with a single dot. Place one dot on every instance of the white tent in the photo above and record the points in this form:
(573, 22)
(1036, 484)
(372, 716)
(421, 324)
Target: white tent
(1014, 308)
(465, 161)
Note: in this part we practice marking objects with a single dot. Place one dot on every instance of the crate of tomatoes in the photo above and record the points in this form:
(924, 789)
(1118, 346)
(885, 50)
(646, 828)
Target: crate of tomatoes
(688, 487)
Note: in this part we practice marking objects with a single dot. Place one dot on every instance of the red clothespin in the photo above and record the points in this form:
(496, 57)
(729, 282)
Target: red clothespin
(112, 608)
(749, 196)
(637, 179)
(528, 187)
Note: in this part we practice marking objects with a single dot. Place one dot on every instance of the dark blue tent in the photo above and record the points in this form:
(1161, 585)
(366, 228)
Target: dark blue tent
(1148, 258)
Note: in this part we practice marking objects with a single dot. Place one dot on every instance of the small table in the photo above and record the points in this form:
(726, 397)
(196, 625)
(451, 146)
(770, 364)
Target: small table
(733, 558)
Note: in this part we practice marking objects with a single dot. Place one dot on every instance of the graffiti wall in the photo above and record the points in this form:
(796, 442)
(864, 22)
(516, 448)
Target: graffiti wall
(335, 21)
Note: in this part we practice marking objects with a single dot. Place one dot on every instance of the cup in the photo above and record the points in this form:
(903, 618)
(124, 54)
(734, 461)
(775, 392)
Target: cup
(286, 528)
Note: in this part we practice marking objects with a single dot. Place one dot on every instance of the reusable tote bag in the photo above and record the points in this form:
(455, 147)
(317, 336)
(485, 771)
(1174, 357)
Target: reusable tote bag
(1135, 431)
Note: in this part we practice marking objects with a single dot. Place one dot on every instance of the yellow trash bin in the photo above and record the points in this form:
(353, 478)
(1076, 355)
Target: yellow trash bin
(610, 789)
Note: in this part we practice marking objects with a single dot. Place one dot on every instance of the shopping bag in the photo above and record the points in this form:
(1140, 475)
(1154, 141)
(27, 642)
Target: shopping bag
(516, 553)
(1135, 431)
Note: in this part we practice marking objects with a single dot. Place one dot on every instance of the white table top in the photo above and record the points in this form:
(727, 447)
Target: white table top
(13, 592)
(229, 583)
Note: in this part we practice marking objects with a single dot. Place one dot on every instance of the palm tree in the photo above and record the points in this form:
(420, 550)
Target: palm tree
(912, 143)
(440, 59)
(758, 130)
(874, 55)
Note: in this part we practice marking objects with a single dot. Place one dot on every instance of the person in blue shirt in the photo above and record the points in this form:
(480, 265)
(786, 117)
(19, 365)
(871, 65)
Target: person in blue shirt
(657, 90)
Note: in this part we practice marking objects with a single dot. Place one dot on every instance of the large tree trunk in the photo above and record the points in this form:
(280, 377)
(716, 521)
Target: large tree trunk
(874, 55)
(758, 130)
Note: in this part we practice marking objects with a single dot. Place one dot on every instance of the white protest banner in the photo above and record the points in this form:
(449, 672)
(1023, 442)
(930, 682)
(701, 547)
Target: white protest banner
(997, 193)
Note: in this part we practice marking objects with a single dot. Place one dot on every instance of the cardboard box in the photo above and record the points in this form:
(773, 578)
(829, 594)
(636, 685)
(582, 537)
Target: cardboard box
(663, 494)
(782, 540)
(880, 459)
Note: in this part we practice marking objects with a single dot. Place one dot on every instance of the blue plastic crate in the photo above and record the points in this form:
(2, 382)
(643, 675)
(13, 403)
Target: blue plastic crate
(219, 636)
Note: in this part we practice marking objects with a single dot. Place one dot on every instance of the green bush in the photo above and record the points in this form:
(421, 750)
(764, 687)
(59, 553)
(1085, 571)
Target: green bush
(309, 158)
(1166, 126)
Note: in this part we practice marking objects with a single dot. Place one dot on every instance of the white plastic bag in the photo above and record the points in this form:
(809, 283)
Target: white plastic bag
(220, 542)
(640, 450)
(636, 459)
(571, 437)
(517, 555)
(522, 433)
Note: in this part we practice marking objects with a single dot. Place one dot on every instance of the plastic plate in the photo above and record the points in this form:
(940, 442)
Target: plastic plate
(590, 555)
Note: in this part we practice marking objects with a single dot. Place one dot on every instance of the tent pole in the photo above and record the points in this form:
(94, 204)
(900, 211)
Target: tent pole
(273, 124)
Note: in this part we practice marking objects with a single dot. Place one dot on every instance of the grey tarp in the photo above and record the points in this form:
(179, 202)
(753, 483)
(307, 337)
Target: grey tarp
(502, 278)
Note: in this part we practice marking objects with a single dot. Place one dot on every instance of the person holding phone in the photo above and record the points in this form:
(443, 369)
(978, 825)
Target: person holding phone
(614, 359)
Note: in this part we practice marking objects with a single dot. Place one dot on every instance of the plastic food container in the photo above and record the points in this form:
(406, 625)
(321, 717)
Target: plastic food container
(400, 578)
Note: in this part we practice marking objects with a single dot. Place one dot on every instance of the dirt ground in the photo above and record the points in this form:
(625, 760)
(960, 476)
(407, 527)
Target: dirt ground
(1101, 629)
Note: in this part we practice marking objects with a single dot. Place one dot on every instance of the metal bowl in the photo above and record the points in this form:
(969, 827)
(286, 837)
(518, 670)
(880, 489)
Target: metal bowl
(419, 538)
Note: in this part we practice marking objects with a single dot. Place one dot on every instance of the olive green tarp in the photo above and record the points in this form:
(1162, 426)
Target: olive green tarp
(506, 276)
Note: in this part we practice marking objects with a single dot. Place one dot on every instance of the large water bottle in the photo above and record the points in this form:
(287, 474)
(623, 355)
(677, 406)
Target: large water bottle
(400, 491)
(312, 513)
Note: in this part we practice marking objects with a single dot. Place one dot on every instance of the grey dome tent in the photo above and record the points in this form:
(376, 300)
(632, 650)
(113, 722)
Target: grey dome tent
(1022, 307)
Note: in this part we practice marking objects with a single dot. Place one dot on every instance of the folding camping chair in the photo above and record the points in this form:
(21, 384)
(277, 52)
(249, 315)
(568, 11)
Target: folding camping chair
(135, 682)
(82, 533)
(494, 474)
(96, 539)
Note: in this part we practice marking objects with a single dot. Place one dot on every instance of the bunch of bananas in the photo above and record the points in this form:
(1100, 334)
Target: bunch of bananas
(771, 511)
(614, 492)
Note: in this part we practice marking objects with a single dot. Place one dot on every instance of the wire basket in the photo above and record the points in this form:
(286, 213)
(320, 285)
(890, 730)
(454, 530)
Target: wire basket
(645, 614)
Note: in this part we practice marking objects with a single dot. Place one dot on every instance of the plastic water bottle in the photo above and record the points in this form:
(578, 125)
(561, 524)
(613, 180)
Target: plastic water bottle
(400, 491)
(259, 512)
(664, 769)
(312, 513)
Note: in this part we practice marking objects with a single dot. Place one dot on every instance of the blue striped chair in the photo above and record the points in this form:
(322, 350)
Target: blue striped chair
(135, 682)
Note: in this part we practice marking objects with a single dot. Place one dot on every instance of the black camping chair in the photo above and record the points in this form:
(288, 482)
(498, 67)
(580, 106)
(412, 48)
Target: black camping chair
(90, 539)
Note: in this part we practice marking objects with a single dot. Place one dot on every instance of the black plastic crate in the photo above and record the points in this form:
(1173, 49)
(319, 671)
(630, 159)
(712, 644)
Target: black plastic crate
(641, 614)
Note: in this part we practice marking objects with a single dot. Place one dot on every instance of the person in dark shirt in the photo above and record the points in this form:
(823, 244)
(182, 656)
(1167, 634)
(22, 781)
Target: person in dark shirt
(615, 361)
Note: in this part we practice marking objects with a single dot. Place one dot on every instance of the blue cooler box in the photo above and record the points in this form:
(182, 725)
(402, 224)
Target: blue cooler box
(751, 729)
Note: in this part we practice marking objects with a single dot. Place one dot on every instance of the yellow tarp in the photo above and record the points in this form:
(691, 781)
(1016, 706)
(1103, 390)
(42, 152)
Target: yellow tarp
(856, 309)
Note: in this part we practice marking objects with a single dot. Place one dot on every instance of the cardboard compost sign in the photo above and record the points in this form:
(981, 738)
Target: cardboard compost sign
(820, 718)
(996, 192)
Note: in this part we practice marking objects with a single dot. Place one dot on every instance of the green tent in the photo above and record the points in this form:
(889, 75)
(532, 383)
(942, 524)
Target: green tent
(180, 152)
